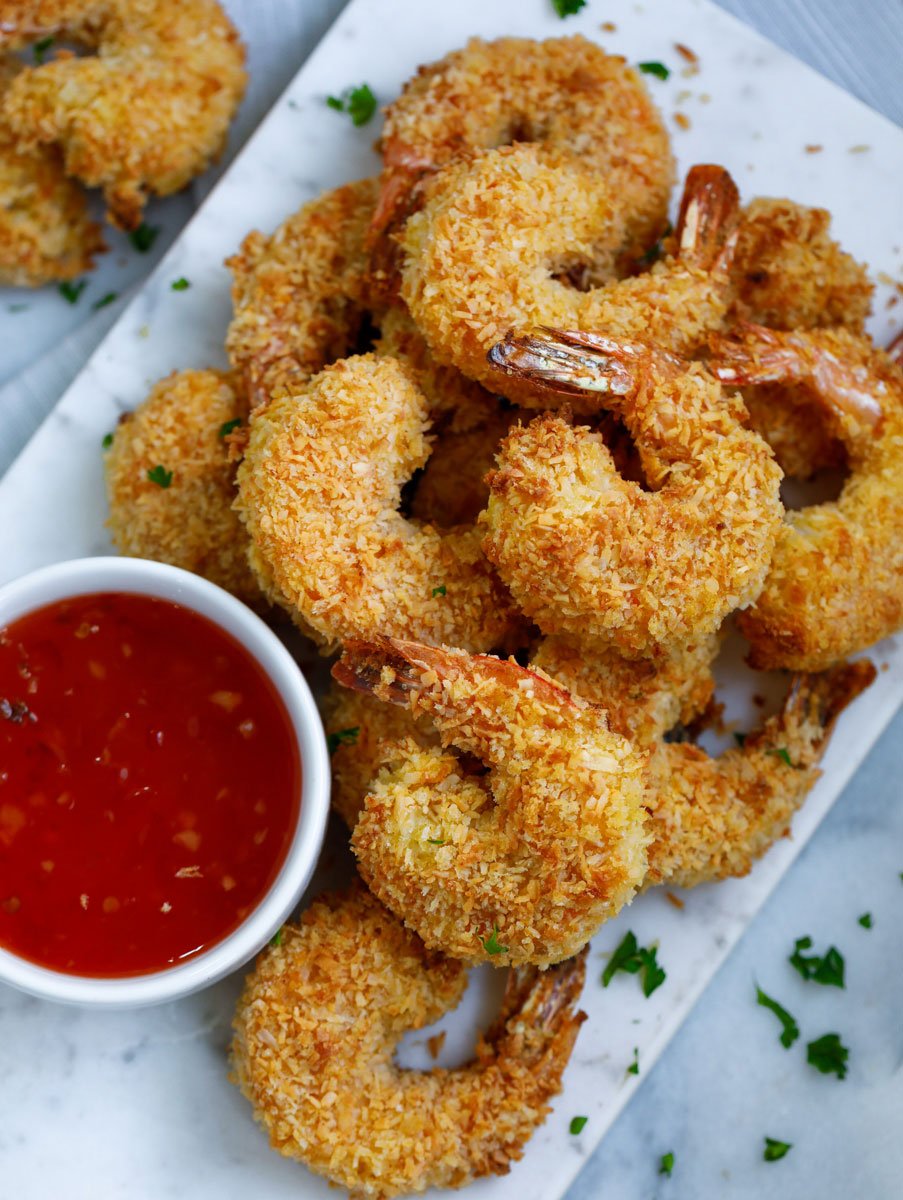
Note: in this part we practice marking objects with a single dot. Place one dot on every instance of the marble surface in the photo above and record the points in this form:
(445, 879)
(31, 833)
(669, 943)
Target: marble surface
(142, 1096)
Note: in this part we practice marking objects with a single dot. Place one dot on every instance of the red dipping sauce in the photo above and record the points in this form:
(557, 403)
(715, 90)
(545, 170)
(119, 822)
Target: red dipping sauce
(149, 785)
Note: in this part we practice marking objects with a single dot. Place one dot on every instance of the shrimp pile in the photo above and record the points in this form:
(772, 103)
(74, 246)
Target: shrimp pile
(146, 112)
(514, 450)
(316, 1029)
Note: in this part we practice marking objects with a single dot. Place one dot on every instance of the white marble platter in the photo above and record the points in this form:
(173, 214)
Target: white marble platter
(137, 1104)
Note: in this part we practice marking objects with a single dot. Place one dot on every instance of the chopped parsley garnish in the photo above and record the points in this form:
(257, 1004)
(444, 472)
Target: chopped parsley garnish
(666, 1166)
(492, 945)
(659, 70)
(634, 1068)
(343, 737)
(824, 968)
(632, 958)
(829, 1055)
(567, 8)
(740, 739)
(160, 476)
(227, 427)
(866, 920)
(577, 1124)
(783, 754)
(276, 939)
(180, 285)
(436, 841)
(358, 102)
(107, 441)
(39, 49)
(16, 308)
(775, 1149)
(791, 1030)
(71, 291)
(440, 590)
(104, 300)
(654, 253)
(144, 237)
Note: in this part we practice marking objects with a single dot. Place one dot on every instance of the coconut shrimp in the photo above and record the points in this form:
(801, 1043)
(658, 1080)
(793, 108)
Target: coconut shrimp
(483, 257)
(45, 231)
(316, 1030)
(590, 555)
(835, 584)
(710, 818)
(565, 95)
(518, 865)
(319, 492)
(171, 482)
(144, 114)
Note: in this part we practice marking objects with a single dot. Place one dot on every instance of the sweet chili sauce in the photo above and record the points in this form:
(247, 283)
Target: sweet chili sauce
(149, 784)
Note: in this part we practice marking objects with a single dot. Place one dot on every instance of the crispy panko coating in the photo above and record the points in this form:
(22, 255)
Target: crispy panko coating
(835, 584)
(482, 257)
(315, 1033)
(189, 522)
(45, 231)
(565, 95)
(788, 273)
(319, 491)
(143, 115)
(644, 698)
(589, 554)
(543, 848)
(299, 296)
(710, 818)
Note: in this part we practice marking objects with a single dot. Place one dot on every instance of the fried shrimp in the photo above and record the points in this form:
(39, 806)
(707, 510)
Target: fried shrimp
(319, 491)
(590, 555)
(835, 584)
(522, 864)
(45, 231)
(315, 1033)
(170, 481)
(483, 257)
(566, 95)
(143, 115)
(710, 818)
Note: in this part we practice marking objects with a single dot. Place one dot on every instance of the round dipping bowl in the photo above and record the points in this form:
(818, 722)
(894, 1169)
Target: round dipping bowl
(136, 576)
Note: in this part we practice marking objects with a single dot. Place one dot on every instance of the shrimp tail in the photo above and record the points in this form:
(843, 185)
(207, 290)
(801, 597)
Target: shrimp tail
(538, 1012)
(708, 224)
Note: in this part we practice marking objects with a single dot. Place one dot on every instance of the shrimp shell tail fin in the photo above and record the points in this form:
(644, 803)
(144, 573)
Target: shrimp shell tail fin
(820, 699)
(709, 218)
(539, 1007)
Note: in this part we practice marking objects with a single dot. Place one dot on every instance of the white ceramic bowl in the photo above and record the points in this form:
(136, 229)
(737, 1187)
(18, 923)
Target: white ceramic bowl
(135, 575)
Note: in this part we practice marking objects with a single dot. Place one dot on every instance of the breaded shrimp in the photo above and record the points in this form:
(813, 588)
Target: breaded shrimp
(319, 491)
(566, 95)
(542, 849)
(144, 114)
(45, 231)
(170, 481)
(591, 555)
(483, 258)
(315, 1033)
(710, 818)
(835, 584)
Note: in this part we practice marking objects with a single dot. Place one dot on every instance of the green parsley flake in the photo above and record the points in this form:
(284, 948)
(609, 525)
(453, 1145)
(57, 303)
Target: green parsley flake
(276, 939)
(659, 70)
(866, 920)
(791, 1030)
(567, 8)
(228, 426)
(666, 1166)
(160, 476)
(577, 1124)
(826, 968)
(105, 300)
(180, 285)
(17, 308)
(436, 841)
(740, 739)
(492, 945)
(71, 291)
(144, 237)
(783, 754)
(440, 590)
(343, 737)
(634, 1068)
(39, 49)
(107, 441)
(358, 102)
(829, 1055)
(632, 958)
(654, 253)
(775, 1149)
